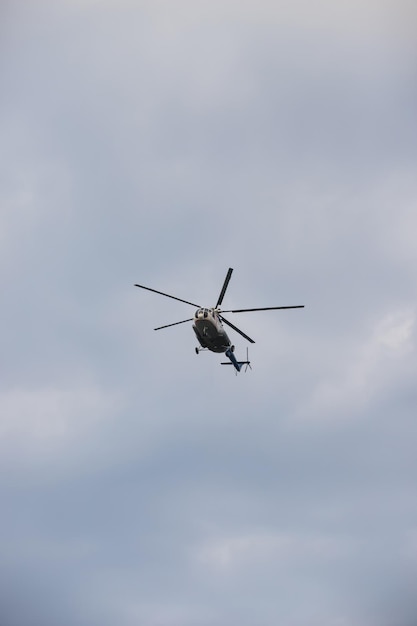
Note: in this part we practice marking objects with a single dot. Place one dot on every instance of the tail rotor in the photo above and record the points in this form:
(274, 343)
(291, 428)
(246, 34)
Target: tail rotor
(237, 364)
(247, 362)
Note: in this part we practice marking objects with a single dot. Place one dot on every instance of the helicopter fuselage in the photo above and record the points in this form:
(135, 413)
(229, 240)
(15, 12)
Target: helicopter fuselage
(210, 331)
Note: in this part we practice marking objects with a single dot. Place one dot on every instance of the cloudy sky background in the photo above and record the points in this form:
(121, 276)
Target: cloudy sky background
(161, 143)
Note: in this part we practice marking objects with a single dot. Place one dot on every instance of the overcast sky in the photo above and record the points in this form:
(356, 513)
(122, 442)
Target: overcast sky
(161, 142)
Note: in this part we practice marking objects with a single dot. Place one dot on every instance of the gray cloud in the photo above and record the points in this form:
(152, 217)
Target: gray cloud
(162, 143)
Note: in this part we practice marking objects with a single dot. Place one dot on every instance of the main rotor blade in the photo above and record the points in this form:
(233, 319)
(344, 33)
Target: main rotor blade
(236, 329)
(168, 296)
(225, 284)
(265, 308)
(174, 324)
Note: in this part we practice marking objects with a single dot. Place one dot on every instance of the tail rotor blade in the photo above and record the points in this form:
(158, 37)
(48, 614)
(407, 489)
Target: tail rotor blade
(225, 284)
(236, 329)
(247, 360)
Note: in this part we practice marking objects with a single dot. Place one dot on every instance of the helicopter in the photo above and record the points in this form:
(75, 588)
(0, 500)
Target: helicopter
(208, 324)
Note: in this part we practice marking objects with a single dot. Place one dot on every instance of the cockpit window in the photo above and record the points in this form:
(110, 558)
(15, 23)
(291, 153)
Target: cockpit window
(205, 312)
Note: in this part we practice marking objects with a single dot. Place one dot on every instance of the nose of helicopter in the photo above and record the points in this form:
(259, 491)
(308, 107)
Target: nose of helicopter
(201, 314)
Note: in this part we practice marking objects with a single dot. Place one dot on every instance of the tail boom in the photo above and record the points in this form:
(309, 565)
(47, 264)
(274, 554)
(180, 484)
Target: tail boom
(233, 361)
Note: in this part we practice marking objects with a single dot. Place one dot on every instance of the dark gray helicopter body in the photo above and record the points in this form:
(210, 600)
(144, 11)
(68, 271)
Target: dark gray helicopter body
(210, 331)
(208, 324)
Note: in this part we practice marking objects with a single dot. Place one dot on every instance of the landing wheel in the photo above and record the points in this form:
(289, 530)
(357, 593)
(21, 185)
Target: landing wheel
(232, 348)
(197, 350)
